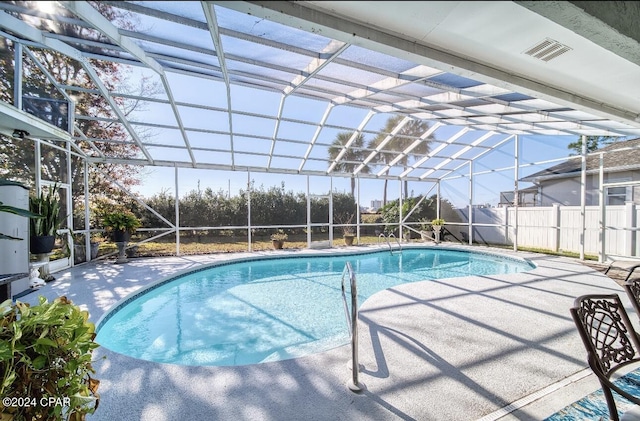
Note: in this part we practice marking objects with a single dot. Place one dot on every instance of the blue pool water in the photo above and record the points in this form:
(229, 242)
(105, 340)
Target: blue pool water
(269, 309)
(594, 405)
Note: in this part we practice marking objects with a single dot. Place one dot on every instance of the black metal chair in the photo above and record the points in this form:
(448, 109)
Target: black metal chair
(611, 343)
(625, 265)
(632, 289)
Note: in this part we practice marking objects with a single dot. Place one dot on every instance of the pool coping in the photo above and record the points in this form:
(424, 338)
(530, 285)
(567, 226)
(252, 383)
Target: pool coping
(315, 387)
(254, 258)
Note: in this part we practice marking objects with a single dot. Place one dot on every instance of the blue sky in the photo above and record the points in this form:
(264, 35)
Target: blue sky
(487, 186)
(210, 93)
(213, 94)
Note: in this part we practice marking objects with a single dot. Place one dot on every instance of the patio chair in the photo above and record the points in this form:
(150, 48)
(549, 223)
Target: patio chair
(627, 265)
(611, 343)
(632, 289)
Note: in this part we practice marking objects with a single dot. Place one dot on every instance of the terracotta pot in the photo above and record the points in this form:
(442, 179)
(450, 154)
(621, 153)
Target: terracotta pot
(277, 244)
(348, 239)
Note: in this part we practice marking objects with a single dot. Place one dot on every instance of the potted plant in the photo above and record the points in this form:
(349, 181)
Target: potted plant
(47, 354)
(278, 239)
(42, 231)
(425, 229)
(131, 251)
(348, 235)
(79, 248)
(347, 231)
(120, 224)
(436, 225)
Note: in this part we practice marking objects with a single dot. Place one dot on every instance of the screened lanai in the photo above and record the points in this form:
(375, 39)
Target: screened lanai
(467, 102)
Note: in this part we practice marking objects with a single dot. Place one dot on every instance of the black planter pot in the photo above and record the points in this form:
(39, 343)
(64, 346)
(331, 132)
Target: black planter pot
(41, 244)
(121, 236)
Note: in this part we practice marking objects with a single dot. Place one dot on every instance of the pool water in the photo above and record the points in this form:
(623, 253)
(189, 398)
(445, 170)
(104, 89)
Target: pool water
(269, 309)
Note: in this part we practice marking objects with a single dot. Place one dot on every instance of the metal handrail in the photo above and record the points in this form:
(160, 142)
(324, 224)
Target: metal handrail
(352, 322)
(382, 235)
(385, 239)
(397, 241)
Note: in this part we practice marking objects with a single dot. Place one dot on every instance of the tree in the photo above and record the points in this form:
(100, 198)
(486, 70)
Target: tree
(593, 143)
(427, 210)
(113, 140)
(401, 141)
(352, 158)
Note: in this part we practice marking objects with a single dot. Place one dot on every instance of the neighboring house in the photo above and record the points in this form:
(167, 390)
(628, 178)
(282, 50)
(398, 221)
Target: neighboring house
(561, 183)
(526, 197)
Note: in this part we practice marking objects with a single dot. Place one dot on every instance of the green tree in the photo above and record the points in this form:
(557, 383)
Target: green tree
(164, 203)
(113, 140)
(593, 143)
(345, 210)
(427, 210)
(401, 141)
(352, 158)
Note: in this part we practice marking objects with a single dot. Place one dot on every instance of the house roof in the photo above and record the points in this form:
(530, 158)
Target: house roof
(618, 156)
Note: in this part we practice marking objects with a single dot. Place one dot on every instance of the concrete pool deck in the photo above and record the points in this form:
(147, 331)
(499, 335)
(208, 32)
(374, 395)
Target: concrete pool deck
(479, 347)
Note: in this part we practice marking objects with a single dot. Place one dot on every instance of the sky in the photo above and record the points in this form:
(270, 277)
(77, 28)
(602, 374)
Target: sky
(210, 93)
(487, 186)
(488, 182)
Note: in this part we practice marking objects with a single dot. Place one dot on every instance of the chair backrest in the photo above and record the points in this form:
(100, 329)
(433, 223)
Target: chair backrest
(632, 288)
(609, 338)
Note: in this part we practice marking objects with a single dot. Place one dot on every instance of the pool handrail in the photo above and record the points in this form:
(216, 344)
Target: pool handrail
(352, 322)
(384, 237)
(389, 242)
(397, 241)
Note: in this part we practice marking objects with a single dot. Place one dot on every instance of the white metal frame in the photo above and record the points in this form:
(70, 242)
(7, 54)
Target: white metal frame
(416, 92)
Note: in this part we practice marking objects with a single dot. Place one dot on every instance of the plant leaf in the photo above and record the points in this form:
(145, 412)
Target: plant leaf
(39, 362)
(8, 237)
(46, 341)
(18, 211)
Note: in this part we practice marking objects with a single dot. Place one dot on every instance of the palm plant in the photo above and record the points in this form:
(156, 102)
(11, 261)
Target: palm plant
(352, 158)
(403, 139)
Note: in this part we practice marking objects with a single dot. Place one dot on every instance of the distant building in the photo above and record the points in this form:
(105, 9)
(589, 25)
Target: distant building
(526, 197)
(562, 183)
(375, 205)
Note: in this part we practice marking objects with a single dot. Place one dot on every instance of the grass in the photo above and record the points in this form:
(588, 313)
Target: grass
(206, 245)
(546, 251)
(193, 245)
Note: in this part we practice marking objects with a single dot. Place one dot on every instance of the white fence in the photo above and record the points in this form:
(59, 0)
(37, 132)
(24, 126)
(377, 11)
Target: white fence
(556, 228)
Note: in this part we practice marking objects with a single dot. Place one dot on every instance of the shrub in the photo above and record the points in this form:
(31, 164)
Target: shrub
(280, 235)
(45, 352)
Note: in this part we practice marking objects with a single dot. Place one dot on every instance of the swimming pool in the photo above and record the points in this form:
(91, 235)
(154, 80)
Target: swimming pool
(264, 309)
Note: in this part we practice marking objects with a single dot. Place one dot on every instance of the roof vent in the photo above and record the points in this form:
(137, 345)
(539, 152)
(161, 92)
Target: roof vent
(547, 50)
